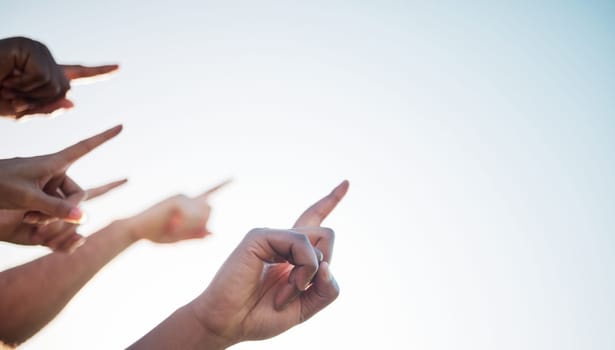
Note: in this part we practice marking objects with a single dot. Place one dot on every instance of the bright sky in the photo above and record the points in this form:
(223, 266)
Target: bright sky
(478, 138)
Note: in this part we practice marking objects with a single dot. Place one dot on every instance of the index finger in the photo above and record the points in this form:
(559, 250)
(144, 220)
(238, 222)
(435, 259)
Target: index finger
(76, 71)
(207, 193)
(100, 190)
(70, 154)
(316, 214)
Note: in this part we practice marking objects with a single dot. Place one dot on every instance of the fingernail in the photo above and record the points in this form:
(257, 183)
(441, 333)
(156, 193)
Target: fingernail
(75, 214)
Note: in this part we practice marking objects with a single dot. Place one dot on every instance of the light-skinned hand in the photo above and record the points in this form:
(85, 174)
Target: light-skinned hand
(273, 280)
(176, 218)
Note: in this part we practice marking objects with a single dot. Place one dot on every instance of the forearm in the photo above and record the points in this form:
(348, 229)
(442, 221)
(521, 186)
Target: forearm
(181, 330)
(34, 293)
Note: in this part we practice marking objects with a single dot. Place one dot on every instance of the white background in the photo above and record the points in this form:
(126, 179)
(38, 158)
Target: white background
(478, 139)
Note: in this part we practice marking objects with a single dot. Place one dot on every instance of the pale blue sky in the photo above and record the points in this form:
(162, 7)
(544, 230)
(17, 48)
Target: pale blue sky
(477, 136)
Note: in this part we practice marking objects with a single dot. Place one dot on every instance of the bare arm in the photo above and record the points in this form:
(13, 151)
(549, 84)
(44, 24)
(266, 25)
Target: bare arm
(32, 294)
(274, 280)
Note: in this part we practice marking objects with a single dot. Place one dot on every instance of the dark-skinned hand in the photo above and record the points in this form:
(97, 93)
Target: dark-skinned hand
(31, 82)
(40, 184)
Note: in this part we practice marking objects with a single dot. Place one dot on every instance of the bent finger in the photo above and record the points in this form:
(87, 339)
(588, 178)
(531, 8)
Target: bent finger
(322, 293)
(38, 218)
(57, 207)
(217, 187)
(45, 233)
(63, 241)
(72, 243)
(322, 238)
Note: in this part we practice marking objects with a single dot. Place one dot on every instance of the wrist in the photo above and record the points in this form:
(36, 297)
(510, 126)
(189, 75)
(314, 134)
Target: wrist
(209, 337)
(183, 329)
(131, 228)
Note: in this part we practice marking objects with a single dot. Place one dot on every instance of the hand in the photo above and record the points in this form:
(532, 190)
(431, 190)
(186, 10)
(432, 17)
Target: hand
(31, 82)
(41, 184)
(57, 235)
(274, 280)
(176, 218)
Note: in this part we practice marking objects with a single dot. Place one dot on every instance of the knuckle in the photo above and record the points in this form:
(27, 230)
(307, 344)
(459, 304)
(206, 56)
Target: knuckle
(178, 198)
(255, 232)
(22, 40)
(45, 77)
(301, 238)
(328, 233)
(64, 85)
(335, 292)
(56, 89)
(37, 45)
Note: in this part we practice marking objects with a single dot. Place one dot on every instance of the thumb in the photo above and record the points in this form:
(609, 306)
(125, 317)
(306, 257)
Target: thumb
(322, 293)
(49, 108)
(58, 207)
(39, 218)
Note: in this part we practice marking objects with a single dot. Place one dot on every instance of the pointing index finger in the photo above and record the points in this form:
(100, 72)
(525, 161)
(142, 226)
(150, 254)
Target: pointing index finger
(75, 71)
(208, 192)
(316, 214)
(70, 154)
(100, 190)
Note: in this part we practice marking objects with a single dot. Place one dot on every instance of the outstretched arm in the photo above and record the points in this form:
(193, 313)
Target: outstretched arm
(32, 294)
(273, 280)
